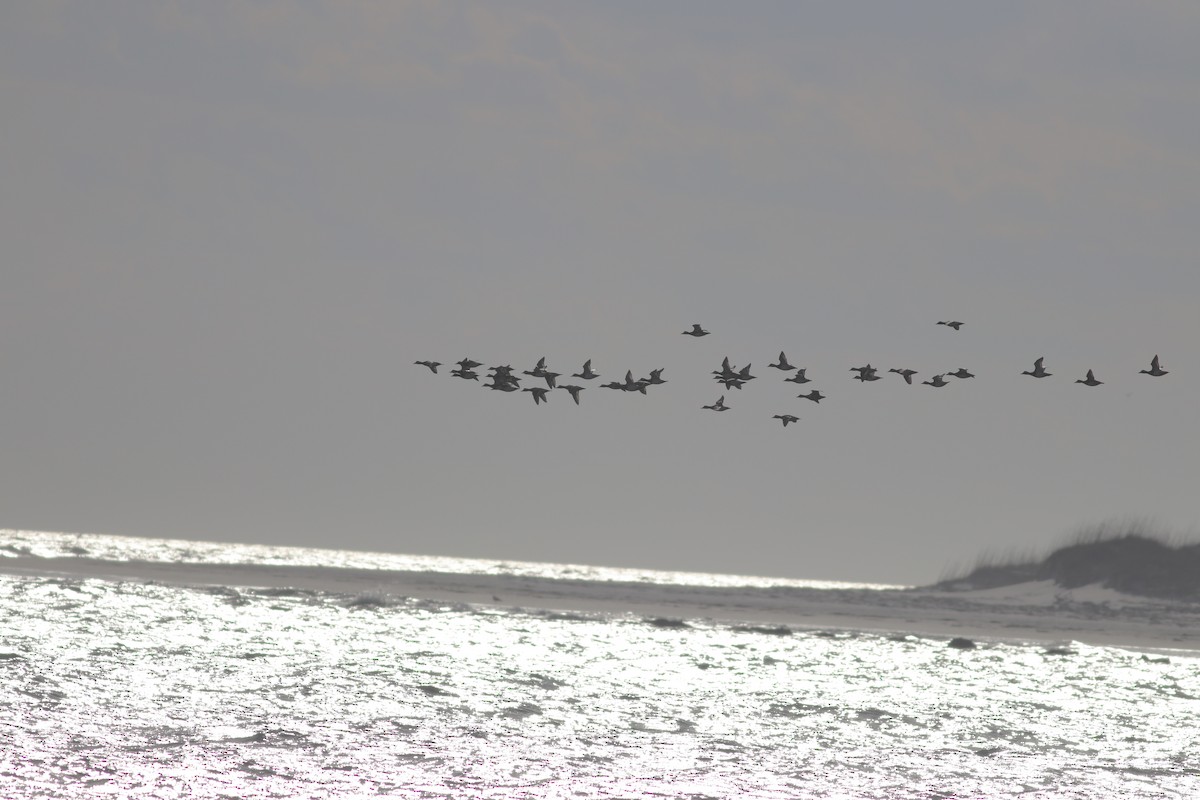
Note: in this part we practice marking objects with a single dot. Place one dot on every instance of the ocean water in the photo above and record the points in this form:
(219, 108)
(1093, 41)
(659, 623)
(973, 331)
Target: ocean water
(128, 548)
(128, 689)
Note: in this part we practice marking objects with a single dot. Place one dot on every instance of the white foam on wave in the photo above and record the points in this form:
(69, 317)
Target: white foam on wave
(109, 547)
(1034, 612)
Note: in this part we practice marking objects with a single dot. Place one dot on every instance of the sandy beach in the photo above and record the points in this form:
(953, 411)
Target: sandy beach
(1034, 612)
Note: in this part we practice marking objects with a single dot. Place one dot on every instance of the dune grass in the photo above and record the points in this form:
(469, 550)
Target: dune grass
(1135, 556)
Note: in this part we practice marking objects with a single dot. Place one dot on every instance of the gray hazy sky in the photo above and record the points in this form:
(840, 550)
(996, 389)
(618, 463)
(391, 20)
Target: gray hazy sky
(228, 229)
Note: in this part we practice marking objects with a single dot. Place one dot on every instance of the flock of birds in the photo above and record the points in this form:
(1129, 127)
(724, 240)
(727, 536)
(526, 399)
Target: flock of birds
(503, 379)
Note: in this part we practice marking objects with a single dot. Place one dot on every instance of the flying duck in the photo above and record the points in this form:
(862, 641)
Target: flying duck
(655, 377)
(433, 365)
(905, 373)
(937, 382)
(539, 395)
(539, 370)
(631, 385)
(814, 395)
(573, 391)
(696, 330)
(502, 384)
(865, 374)
(1154, 370)
(726, 371)
(586, 373)
(465, 374)
(719, 405)
(786, 418)
(799, 377)
(961, 372)
(783, 363)
(1038, 370)
(467, 363)
(1090, 380)
(951, 323)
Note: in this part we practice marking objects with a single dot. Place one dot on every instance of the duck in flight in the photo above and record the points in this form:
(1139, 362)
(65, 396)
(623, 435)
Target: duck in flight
(1038, 370)
(631, 385)
(503, 383)
(433, 365)
(951, 323)
(586, 373)
(814, 395)
(573, 391)
(961, 372)
(786, 418)
(719, 405)
(938, 381)
(799, 377)
(1090, 380)
(905, 373)
(1154, 370)
(538, 371)
(467, 363)
(655, 378)
(726, 371)
(539, 395)
(866, 373)
(696, 330)
(783, 363)
(465, 374)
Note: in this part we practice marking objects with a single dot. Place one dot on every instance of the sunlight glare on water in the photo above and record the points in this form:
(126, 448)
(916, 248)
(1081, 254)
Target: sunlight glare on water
(130, 548)
(138, 690)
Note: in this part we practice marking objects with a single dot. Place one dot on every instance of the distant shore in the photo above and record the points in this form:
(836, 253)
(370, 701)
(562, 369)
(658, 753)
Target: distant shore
(1124, 560)
(1033, 611)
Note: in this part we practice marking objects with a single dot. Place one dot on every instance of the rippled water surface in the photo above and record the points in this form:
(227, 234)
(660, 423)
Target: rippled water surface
(135, 690)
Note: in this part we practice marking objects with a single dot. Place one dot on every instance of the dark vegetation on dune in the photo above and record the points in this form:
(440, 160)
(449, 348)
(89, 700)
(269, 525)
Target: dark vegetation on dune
(1127, 558)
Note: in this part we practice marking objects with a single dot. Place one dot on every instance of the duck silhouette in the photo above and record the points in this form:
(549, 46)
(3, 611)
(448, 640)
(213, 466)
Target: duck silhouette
(1038, 370)
(539, 394)
(586, 373)
(1154, 370)
(783, 363)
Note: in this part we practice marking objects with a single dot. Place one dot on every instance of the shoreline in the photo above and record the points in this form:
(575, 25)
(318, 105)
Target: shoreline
(1029, 613)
